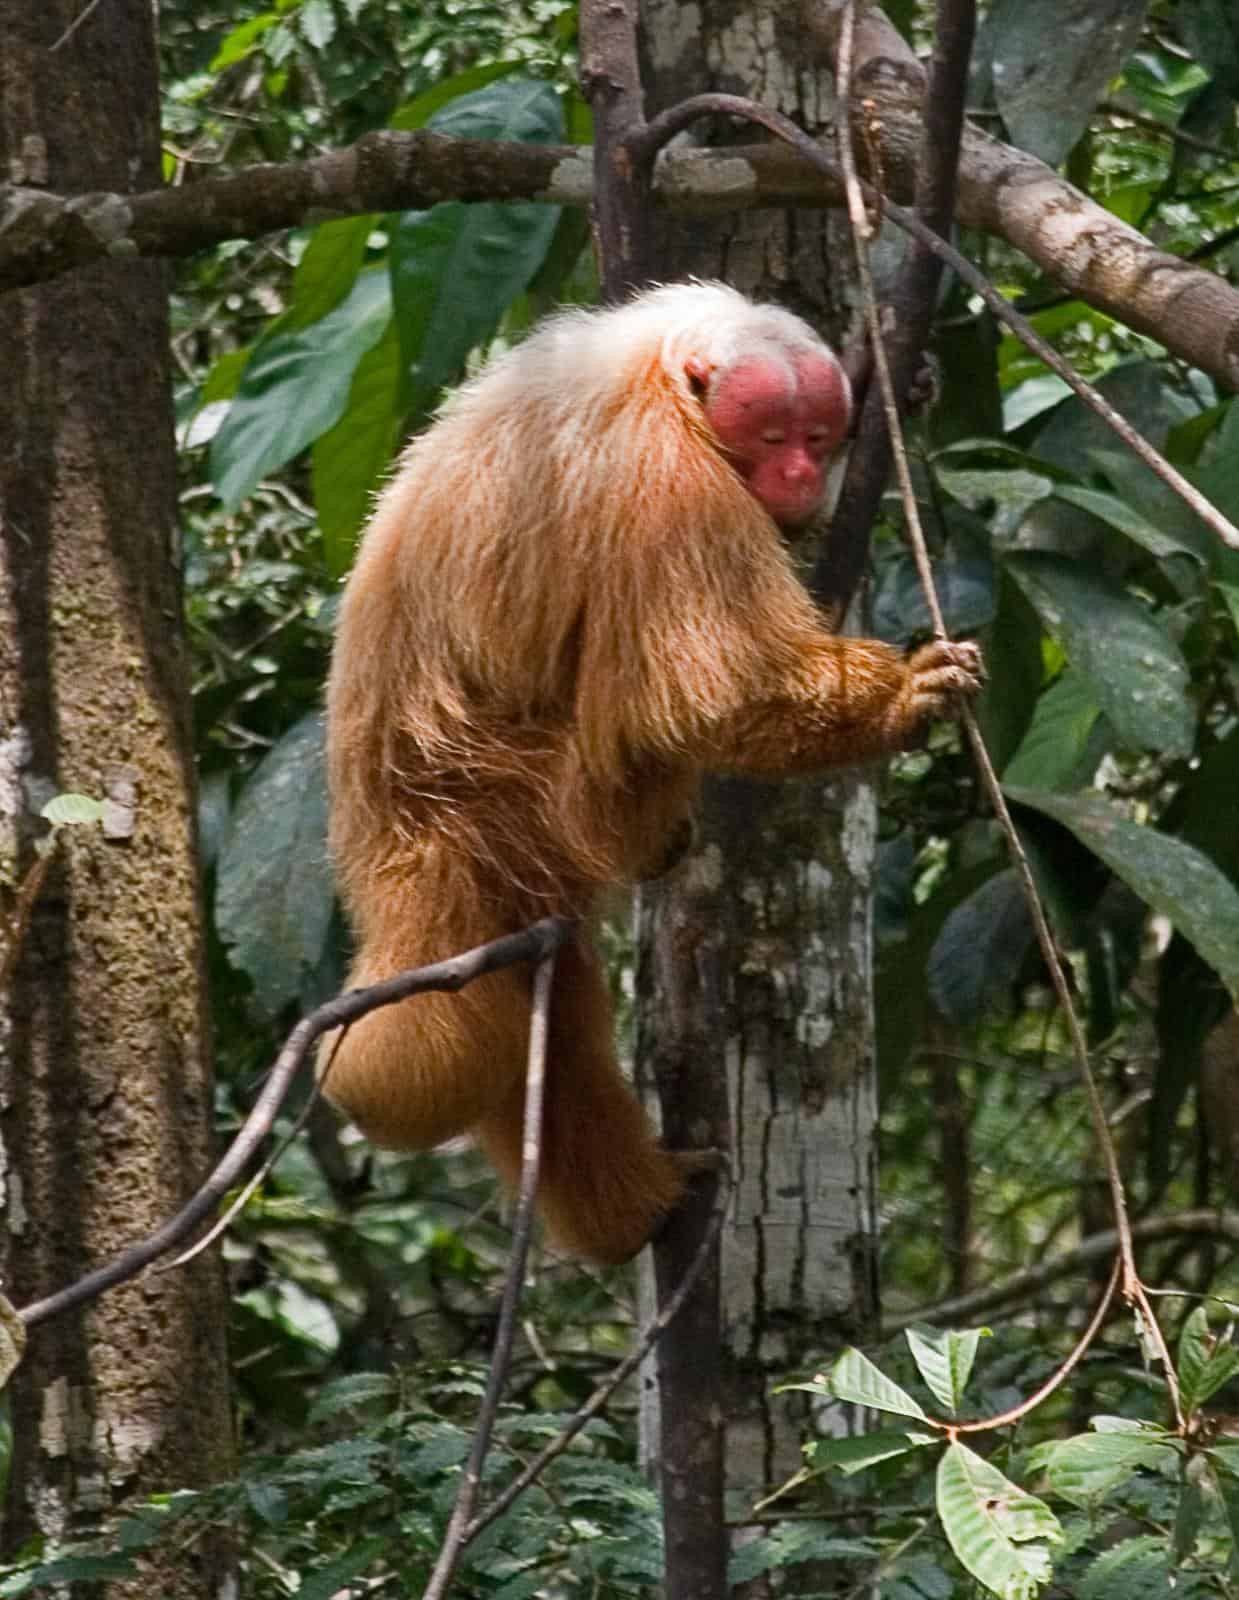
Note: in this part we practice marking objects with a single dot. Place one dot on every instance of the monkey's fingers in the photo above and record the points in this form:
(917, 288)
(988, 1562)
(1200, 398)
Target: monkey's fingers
(940, 675)
(693, 1161)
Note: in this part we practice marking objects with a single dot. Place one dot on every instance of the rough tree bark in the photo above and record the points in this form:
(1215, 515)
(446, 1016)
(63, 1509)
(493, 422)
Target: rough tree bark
(104, 1077)
(756, 952)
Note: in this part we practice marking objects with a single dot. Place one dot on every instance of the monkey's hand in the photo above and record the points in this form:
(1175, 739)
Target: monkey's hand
(940, 676)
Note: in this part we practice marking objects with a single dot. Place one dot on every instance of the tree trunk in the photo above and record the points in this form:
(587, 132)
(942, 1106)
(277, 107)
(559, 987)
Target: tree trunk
(755, 966)
(105, 1115)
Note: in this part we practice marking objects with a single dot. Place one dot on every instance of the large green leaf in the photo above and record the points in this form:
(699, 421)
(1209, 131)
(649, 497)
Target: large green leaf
(1136, 670)
(999, 1531)
(980, 949)
(855, 1378)
(1171, 876)
(456, 267)
(416, 113)
(944, 1359)
(274, 890)
(295, 387)
(863, 1450)
(1065, 740)
(1206, 1361)
(328, 269)
(1087, 1467)
(1139, 529)
(1012, 647)
(1073, 431)
(349, 460)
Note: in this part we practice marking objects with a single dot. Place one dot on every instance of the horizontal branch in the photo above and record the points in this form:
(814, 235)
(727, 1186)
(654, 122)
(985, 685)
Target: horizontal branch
(44, 234)
(1011, 194)
(1193, 312)
(1030, 1282)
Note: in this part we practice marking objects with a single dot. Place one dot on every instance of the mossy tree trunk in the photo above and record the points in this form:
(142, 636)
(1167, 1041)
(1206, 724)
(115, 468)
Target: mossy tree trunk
(104, 1067)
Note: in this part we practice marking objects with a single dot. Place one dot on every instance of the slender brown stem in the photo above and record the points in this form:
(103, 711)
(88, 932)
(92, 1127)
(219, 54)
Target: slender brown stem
(532, 944)
(623, 1371)
(501, 1357)
(1133, 1289)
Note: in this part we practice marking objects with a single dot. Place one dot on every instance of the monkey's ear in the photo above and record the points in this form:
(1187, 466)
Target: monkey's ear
(699, 371)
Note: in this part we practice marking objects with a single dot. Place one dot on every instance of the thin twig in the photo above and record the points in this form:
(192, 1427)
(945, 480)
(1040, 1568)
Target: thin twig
(672, 121)
(1029, 1284)
(1133, 1289)
(242, 1199)
(624, 1370)
(844, 558)
(501, 1357)
(531, 944)
(76, 24)
(1004, 1419)
(18, 920)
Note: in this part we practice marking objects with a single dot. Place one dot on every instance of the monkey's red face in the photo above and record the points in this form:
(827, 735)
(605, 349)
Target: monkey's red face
(779, 426)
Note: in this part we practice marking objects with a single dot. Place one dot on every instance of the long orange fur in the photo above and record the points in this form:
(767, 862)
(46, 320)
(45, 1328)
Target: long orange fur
(566, 608)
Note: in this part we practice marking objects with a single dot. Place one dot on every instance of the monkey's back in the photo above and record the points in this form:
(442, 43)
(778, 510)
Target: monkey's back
(542, 620)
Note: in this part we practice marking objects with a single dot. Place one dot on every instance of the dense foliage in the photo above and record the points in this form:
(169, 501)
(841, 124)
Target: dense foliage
(365, 1284)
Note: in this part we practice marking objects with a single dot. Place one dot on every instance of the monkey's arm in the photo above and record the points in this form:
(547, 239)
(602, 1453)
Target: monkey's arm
(848, 701)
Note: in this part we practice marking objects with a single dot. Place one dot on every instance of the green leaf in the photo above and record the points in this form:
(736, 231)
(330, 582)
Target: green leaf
(998, 1530)
(1166, 873)
(225, 375)
(793, 1542)
(456, 267)
(1230, 594)
(855, 1378)
(274, 891)
(944, 1359)
(980, 949)
(1064, 742)
(348, 462)
(327, 270)
(1012, 646)
(863, 1450)
(416, 113)
(318, 23)
(1004, 497)
(1119, 515)
(1135, 1569)
(295, 387)
(1135, 670)
(328, 1581)
(240, 42)
(1206, 1362)
(1156, 501)
(1087, 1467)
(72, 811)
(1190, 1512)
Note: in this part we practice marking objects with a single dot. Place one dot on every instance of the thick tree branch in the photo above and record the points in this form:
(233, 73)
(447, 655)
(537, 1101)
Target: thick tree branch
(611, 81)
(1003, 191)
(1006, 192)
(44, 234)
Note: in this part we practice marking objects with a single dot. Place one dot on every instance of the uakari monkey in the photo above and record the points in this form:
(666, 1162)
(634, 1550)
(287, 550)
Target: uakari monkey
(573, 600)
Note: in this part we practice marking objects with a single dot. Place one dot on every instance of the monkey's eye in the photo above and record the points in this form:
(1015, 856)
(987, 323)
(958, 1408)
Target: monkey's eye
(819, 436)
(773, 436)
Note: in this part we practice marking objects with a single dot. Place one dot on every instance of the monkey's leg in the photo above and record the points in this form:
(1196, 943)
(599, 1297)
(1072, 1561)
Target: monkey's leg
(416, 1073)
(605, 1182)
